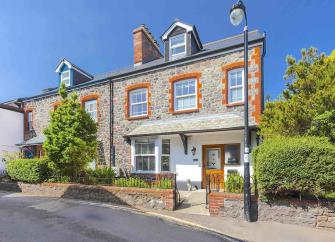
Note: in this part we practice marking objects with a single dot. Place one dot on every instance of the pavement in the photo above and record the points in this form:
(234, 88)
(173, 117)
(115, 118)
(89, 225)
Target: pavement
(193, 212)
(30, 218)
(260, 231)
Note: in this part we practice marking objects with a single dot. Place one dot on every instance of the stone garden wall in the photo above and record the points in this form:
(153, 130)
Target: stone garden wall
(128, 196)
(292, 211)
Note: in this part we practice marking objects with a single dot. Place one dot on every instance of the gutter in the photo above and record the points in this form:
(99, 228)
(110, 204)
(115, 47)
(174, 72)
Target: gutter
(162, 66)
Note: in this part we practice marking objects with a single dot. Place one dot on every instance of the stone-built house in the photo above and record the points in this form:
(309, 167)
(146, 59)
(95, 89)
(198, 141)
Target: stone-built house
(179, 111)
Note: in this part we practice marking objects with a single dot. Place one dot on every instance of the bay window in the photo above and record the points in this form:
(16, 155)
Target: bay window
(165, 157)
(185, 95)
(145, 155)
(235, 85)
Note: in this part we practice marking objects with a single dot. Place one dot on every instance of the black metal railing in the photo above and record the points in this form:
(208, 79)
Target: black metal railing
(159, 181)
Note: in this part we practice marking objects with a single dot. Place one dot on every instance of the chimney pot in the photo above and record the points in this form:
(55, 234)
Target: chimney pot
(146, 48)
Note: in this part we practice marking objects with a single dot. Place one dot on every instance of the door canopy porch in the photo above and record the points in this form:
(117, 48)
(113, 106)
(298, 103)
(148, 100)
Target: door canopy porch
(184, 126)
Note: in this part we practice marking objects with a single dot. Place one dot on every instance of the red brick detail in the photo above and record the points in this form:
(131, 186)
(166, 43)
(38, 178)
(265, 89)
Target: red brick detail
(145, 47)
(225, 70)
(257, 101)
(216, 202)
(181, 77)
(127, 104)
(55, 105)
(93, 96)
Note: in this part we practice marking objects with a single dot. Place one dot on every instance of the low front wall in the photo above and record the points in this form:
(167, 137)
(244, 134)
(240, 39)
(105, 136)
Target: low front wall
(292, 211)
(129, 196)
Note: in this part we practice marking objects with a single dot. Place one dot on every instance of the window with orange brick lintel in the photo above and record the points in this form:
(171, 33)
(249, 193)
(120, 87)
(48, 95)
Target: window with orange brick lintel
(91, 105)
(138, 101)
(231, 87)
(28, 120)
(256, 101)
(184, 93)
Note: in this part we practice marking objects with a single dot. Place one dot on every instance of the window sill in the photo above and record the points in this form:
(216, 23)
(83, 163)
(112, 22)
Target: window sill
(138, 117)
(186, 111)
(232, 165)
(234, 104)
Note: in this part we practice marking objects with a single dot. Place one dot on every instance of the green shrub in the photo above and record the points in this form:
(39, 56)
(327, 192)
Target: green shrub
(103, 175)
(131, 182)
(140, 183)
(234, 183)
(28, 170)
(163, 184)
(60, 179)
(295, 166)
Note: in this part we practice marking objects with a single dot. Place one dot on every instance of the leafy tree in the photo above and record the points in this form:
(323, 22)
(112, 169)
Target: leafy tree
(310, 91)
(71, 141)
(324, 125)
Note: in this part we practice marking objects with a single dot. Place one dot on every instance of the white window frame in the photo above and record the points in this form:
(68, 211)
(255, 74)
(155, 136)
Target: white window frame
(175, 98)
(30, 120)
(67, 80)
(165, 155)
(236, 86)
(96, 108)
(179, 55)
(132, 104)
(134, 155)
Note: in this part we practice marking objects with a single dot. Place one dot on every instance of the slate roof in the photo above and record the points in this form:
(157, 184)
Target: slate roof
(209, 48)
(190, 125)
(37, 140)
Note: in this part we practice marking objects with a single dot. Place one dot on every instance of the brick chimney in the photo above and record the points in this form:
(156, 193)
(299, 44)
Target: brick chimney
(146, 47)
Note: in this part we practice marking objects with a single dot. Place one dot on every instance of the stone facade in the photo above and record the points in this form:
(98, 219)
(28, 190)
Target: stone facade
(127, 196)
(42, 107)
(211, 92)
(292, 211)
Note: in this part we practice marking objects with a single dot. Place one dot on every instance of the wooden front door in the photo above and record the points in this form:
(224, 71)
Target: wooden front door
(212, 165)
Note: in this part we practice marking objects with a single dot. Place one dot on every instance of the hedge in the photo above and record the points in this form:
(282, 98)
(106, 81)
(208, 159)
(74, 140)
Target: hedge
(28, 170)
(298, 165)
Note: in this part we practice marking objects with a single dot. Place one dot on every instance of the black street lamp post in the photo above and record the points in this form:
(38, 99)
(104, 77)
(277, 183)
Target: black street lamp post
(237, 13)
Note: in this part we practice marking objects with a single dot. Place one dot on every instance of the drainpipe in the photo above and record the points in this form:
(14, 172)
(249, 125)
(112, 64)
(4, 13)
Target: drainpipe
(111, 125)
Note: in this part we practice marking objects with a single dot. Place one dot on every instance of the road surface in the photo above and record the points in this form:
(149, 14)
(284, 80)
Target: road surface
(28, 218)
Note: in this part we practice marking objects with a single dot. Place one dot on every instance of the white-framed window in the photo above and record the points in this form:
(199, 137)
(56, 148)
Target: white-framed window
(165, 156)
(65, 78)
(145, 155)
(185, 94)
(177, 46)
(91, 108)
(138, 102)
(30, 121)
(235, 85)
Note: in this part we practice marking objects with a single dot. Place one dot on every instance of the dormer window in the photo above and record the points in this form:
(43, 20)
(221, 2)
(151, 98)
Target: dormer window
(65, 78)
(180, 40)
(177, 46)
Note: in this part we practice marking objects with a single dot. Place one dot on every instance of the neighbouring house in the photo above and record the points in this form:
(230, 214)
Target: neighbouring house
(176, 111)
(11, 131)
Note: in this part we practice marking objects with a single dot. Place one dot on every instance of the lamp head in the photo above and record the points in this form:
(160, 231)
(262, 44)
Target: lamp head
(237, 13)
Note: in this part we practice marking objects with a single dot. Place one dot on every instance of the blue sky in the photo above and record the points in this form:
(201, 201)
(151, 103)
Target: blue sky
(97, 34)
